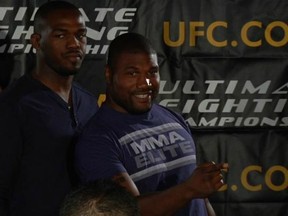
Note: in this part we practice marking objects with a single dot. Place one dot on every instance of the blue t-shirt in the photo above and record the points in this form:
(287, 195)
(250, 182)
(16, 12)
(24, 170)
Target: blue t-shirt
(36, 132)
(156, 149)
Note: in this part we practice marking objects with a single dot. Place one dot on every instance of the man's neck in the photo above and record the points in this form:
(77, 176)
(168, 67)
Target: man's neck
(61, 85)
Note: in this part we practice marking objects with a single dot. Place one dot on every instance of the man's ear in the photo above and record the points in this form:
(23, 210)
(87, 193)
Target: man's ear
(35, 40)
(108, 74)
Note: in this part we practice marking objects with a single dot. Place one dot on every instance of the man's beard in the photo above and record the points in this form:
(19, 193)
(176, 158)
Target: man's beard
(63, 71)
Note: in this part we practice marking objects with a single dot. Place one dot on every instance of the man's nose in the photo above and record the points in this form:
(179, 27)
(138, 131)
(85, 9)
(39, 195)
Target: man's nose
(143, 82)
(73, 42)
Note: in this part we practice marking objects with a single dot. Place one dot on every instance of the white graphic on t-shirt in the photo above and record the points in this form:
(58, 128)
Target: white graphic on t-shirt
(161, 148)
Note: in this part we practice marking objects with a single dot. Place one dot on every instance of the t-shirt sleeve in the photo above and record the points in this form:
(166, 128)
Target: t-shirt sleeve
(10, 154)
(97, 155)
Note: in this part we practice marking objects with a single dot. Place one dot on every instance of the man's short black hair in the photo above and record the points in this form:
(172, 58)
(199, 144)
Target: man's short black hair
(128, 42)
(48, 7)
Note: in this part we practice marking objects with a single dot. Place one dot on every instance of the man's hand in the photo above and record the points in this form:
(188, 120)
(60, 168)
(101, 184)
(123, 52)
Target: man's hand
(206, 179)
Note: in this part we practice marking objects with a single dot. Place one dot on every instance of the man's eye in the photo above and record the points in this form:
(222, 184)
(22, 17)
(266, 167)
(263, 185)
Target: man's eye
(132, 73)
(81, 36)
(60, 36)
(153, 73)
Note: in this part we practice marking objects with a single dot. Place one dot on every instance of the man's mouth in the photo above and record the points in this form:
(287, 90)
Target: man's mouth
(74, 55)
(142, 96)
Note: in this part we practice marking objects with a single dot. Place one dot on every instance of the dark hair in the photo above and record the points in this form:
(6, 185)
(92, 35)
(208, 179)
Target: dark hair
(48, 7)
(128, 42)
(103, 197)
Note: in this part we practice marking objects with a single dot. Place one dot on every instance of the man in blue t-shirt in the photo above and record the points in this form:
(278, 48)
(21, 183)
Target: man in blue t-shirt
(143, 146)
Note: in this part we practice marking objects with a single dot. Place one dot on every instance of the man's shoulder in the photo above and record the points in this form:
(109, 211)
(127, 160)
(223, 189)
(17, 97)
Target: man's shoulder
(16, 90)
(170, 115)
(80, 89)
(166, 111)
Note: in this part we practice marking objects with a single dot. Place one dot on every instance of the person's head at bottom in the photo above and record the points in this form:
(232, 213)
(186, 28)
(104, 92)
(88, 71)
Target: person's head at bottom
(99, 198)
